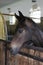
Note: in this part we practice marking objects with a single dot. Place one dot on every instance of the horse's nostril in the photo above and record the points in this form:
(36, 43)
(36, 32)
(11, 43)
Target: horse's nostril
(11, 51)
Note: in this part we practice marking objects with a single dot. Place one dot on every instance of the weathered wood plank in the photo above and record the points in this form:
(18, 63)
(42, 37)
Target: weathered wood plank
(19, 59)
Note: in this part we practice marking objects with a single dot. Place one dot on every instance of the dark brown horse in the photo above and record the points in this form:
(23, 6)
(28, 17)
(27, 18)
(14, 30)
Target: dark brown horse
(27, 32)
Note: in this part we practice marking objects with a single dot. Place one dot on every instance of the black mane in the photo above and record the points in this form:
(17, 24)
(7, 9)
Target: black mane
(31, 20)
(35, 24)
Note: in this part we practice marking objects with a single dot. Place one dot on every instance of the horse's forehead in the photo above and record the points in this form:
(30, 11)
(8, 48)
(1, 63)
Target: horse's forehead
(28, 23)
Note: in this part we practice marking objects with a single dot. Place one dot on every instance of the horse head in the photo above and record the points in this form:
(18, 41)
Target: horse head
(27, 30)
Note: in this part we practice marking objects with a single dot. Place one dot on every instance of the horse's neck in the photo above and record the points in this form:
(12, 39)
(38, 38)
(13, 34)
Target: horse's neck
(41, 33)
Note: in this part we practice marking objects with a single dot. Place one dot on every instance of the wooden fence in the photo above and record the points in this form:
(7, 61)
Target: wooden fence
(19, 59)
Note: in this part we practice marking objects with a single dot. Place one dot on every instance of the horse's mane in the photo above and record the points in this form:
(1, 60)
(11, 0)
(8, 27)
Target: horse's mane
(35, 24)
(31, 20)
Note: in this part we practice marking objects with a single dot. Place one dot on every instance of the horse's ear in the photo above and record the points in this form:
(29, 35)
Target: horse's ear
(20, 14)
(18, 17)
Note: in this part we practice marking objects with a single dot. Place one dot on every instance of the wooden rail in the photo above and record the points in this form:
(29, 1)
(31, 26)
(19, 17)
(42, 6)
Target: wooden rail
(7, 14)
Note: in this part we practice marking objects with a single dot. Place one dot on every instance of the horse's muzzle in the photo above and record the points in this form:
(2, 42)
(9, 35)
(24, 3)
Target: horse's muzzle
(14, 51)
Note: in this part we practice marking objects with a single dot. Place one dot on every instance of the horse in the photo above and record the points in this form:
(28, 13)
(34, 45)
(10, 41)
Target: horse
(28, 32)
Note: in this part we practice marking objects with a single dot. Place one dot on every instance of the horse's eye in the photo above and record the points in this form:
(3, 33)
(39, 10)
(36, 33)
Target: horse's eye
(20, 30)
